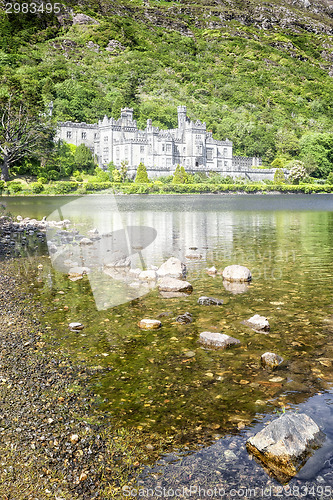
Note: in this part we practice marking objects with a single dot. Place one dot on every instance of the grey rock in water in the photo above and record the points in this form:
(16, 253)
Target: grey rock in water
(217, 340)
(209, 301)
(168, 284)
(149, 324)
(184, 318)
(173, 267)
(86, 241)
(285, 444)
(271, 360)
(258, 323)
(235, 287)
(211, 270)
(76, 326)
(149, 275)
(236, 273)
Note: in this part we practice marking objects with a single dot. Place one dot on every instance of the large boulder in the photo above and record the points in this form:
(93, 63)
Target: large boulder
(172, 267)
(271, 360)
(285, 444)
(258, 323)
(236, 273)
(217, 340)
(168, 284)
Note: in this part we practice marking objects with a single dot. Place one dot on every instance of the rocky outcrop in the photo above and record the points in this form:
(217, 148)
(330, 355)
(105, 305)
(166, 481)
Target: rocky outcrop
(258, 323)
(84, 19)
(271, 360)
(285, 444)
(173, 267)
(209, 301)
(217, 340)
(236, 273)
(168, 284)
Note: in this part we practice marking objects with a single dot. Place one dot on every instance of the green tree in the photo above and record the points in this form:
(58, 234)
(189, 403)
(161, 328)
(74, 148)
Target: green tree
(329, 179)
(123, 170)
(84, 159)
(317, 153)
(279, 177)
(297, 172)
(141, 175)
(278, 163)
(22, 134)
(180, 176)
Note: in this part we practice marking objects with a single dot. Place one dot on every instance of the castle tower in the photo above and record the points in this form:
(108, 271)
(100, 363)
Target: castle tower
(127, 114)
(181, 110)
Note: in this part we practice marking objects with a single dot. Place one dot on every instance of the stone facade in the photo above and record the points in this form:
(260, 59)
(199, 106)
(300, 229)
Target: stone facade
(189, 145)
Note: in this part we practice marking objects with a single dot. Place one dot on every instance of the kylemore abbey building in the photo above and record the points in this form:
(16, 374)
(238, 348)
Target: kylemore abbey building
(160, 151)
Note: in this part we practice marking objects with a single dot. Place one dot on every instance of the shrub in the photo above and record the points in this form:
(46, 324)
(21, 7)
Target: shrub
(64, 187)
(2, 185)
(297, 171)
(180, 176)
(330, 178)
(141, 174)
(279, 177)
(53, 175)
(42, 180)
(101, 175)
(15, 187)
(37, 187)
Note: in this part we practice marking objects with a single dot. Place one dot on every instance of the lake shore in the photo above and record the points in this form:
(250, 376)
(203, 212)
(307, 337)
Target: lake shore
(54, 441)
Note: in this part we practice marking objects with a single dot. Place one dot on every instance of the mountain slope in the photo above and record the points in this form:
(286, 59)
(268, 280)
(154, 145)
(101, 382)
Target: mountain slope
(259, 73)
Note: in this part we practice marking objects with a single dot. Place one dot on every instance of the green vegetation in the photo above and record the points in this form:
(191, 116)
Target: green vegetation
(141, 175)
(268, 90)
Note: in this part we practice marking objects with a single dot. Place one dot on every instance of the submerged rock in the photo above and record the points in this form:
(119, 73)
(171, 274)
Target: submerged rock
(236, 273)
(149, 275)
(271, 360)
(86, 241)
(76, 326)
(218, 340)
(209, 301)
(172, 267)
(184, 318)
(258, 323)
(149, 324)
(235, 287)
(211, 270)
(285, 444)
(174, 285)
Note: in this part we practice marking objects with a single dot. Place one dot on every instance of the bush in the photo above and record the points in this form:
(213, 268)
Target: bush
(297, 171)
(37, 187)
(101, 175)
(279, 177)
(64, 187)
(42, 180)
(53, 175)
(2, 185)
(141, 175)
(15, 187)
(330, 178)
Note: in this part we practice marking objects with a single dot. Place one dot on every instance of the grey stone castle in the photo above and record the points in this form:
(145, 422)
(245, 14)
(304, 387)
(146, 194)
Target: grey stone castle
(190, 145)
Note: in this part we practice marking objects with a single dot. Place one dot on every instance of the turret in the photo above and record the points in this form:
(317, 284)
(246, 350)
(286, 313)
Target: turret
(181, 116)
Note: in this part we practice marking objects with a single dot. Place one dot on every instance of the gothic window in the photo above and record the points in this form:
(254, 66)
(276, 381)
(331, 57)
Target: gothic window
(142, 149)
(68, 134)
(168, 148)
(225, 163)
(106, 150)
(163, 147)
(199, 150)
(84, 135)
(225, 151)
(198, 137)
(168, 162)
(184, 150)
(209, 153)
(105, 138)
(95, 135)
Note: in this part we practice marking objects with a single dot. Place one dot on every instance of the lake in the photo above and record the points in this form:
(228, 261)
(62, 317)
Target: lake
(202, 402)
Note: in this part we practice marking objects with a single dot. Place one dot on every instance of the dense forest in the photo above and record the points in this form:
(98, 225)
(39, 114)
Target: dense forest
(259, 73)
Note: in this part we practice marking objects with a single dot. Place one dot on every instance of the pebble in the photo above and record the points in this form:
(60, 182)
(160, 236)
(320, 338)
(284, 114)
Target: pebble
(149, 324)
(76, 326)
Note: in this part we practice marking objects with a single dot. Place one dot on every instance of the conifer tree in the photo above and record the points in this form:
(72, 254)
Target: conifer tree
(180, 176)
(141, 174)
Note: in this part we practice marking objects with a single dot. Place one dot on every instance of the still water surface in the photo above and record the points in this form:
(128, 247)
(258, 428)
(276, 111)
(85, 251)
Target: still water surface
(164, 382)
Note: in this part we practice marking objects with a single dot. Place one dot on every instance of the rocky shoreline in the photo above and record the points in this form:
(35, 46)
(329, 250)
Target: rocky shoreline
(54, 442)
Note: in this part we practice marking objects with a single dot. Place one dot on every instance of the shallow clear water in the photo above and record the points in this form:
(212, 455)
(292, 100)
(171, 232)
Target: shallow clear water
(163, 381)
